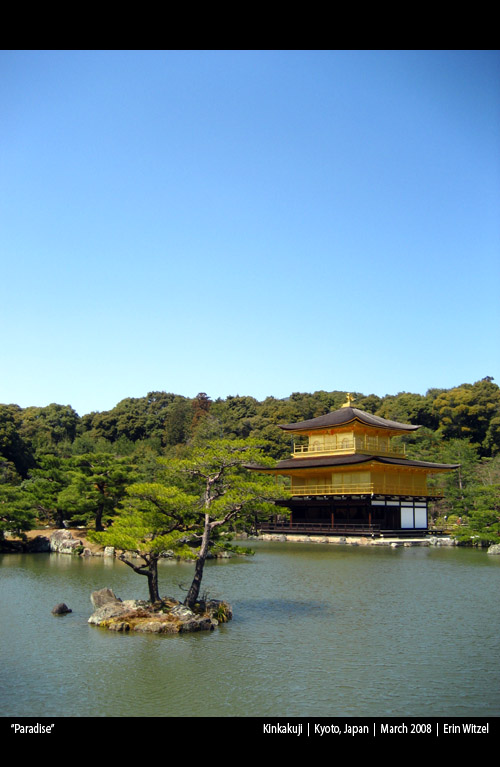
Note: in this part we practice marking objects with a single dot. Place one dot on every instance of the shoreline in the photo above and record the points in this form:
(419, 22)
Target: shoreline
(37, 541)
(345, 540)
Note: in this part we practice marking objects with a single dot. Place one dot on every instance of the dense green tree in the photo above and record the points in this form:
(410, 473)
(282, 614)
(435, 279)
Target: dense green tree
(8, 473)
(154, 520)
(482, 524)
(224, 491)
(45, 427)
(424, 444)
(16, 516)
(408, 408)
(488, 471)
(234, 415)
(302, 407)
(178, 422)
(44, 489)
(97, 487)
(201, 408)
(369, 404)
(467, 410)
(199, 495)
(83, 443)
(133, 418)
(13, 447)
(459, 485)
(491, 442)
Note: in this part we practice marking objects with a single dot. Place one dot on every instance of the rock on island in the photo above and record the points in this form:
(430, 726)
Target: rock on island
(168, 616)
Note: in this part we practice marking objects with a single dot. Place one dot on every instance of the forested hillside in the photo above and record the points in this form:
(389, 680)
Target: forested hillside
(56, 465)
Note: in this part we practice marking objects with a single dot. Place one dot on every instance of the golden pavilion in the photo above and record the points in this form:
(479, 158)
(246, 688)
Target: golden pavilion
(351, 477)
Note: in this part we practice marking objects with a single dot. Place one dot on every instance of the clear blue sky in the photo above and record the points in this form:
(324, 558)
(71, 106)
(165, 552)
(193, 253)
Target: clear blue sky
(252, 223)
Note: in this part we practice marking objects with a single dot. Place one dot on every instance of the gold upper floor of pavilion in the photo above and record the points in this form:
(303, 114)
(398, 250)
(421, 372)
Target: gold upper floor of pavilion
(349, 444)
(350, 452)
(348, 431)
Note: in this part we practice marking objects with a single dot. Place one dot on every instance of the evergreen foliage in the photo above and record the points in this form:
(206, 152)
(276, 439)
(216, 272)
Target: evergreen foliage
(198, 495)
(154, 520)
(56, 465)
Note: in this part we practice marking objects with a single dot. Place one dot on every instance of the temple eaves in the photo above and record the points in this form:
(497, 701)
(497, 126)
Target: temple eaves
(345, 415)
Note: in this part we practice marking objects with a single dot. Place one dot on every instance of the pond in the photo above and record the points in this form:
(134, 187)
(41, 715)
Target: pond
(318, 631)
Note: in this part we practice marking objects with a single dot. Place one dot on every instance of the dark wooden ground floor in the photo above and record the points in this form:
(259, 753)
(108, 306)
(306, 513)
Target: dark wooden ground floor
(360, 515)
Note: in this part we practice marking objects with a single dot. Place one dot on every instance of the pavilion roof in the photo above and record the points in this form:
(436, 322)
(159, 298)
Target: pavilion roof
(344, 416)
(349, 460)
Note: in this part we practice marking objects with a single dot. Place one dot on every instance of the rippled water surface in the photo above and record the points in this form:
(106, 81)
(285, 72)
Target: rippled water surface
(318, 630)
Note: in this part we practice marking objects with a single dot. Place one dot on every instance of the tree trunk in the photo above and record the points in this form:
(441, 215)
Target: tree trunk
(194, 589)
(154, 594)
(461, 486)
(98, 519)
(151, 573)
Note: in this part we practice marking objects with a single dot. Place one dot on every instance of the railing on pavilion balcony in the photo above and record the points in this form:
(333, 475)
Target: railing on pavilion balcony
(363, 488)
(369, 446)
(341, 527)
(312, 526)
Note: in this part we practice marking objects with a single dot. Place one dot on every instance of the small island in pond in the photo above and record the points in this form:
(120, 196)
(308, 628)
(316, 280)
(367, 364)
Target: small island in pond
(166, 616)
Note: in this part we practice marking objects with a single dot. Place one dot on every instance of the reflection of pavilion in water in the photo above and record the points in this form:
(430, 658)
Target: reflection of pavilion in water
(350, 477)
